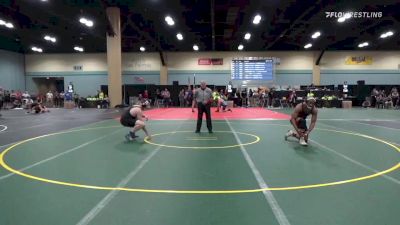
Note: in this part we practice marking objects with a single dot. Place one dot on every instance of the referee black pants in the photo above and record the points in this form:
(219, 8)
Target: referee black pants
(203, 108)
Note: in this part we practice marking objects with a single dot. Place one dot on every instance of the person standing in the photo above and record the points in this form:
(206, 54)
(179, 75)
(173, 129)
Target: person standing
(203, 97)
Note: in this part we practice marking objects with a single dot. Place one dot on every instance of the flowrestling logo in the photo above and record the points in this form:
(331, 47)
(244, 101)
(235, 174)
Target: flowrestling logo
(348, 15)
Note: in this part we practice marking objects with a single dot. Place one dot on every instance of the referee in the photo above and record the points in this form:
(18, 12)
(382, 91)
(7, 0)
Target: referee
(203, 97)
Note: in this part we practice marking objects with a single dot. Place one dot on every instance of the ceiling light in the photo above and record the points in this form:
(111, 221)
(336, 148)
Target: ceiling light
(362, 45)
(341, 19)
(316, 35)
(257, 19)
(89, 23)
(36, 49)
(169, 20)
(195, 47)
(142, 49)
(179, 36)
(9, 25)
(240, 47)
(387, 34)
(247, 36)
(79, 49)
(50, 38)
(347, 16)
(85, 21)
(2, 22)
(308, 45)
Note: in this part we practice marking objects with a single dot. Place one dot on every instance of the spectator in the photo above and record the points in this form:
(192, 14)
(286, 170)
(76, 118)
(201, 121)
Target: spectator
(7, 99)
(167, 97)
(292, 99)
(367, 102)
(394, 95)
(374, 95)
(62, 97)
(182, 98)
(189, 96)
(380, 99)
(49, 99)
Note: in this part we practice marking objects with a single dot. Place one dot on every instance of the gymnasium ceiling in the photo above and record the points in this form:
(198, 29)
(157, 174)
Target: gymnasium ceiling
(214, 25)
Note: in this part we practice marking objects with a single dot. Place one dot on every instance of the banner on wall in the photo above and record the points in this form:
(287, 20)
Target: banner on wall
(358, 60)
(210, 61)
(217, 61)
(204, 61)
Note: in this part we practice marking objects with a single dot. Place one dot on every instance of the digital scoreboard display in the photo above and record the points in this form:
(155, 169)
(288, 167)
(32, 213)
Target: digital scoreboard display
(253, 69)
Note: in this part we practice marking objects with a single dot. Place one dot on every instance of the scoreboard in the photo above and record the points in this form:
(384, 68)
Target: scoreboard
(252, 69)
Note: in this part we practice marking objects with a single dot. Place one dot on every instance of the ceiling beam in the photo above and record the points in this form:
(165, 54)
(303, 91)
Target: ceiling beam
(316, 4)
(162, 58)
(144, 34)
(109, 27)
(213, 24)
(319, 57)
(355, 33)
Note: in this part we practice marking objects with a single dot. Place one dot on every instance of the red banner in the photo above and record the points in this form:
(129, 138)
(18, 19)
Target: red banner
(217, 61)
(204, 61)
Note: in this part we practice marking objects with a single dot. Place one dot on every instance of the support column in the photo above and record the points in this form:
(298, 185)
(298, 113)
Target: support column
(316, 72)
(163, 75)
(114, 57)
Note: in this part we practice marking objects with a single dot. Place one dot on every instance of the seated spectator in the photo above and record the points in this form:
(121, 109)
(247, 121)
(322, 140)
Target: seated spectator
(144, 101)
(380, 100)
(388, 102)
(374, 95)
(367, 102)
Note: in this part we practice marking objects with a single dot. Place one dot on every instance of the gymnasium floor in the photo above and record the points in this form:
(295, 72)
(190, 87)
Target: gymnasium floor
(74, 167)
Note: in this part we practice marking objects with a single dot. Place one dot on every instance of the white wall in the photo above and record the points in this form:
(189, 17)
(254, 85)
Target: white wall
(388, 60)
(141, 62)
(383, 70)
(189, 60)
(90, 62)
(295, 67)
(12, 70)
(64, 62)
